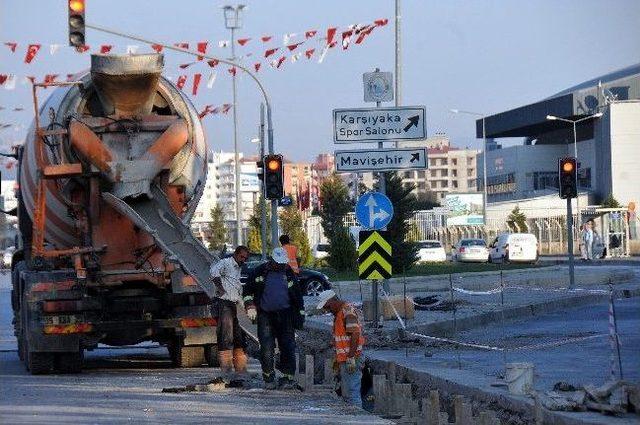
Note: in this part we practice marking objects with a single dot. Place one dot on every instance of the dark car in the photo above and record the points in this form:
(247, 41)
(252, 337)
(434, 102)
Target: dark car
(312, 282)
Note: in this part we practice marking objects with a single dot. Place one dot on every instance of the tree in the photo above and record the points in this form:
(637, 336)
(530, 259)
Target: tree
(335, 205)
(216, 235)
(404, 252)
(611, 202)
(426, 201)
(517, 221)
(291, 225)
(254, 241)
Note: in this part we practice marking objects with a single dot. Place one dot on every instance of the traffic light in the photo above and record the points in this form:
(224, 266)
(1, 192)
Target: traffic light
(260, 169)
(567, 177)
(76, 23)
(273, 177)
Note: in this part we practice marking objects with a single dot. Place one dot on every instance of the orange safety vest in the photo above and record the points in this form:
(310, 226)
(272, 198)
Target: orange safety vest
(342, 340)
(292, 253)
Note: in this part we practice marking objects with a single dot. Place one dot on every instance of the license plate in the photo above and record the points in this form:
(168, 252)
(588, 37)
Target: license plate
(60, 320)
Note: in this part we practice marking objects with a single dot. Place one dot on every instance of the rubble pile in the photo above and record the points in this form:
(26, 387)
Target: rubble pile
(614, 397)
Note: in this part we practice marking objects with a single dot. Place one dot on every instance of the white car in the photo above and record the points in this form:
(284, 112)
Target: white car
(520, 247)
(431, 252)
(320, 251)
(470, 251)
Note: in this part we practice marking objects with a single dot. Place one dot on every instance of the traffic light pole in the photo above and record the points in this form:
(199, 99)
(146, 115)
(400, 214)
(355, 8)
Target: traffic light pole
(263, 201)
(570, 244)
(274, 203)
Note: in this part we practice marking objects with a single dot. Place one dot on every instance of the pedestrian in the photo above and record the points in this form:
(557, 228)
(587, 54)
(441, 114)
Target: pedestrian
(273, 296)
(586, 239)
(348, 341)
(226, 277)
(292, 253)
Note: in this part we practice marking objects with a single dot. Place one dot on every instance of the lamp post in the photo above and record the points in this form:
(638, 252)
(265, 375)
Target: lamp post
(484, 154)
(575, 149)
(233, 21)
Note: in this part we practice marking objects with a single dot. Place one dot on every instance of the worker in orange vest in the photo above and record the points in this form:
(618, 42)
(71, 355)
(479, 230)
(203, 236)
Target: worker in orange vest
(348, 340)
(292, 253)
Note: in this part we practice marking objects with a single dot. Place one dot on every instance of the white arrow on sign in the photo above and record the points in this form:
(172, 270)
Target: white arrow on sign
(373, 216)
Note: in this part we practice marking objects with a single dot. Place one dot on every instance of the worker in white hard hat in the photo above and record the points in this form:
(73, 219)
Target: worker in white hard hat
(348, 341)
(273, 297)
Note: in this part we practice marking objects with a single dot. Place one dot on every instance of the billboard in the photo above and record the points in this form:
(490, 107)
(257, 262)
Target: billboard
(465, 209)
(249, 182)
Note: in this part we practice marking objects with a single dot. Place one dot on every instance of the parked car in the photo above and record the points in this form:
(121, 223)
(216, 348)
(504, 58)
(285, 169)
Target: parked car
(321, 251)
(470, 251)
(520, 247)
(431, 252)
(312, 281)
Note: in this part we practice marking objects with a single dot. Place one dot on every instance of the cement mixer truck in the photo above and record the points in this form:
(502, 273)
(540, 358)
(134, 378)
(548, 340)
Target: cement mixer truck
(109, 178)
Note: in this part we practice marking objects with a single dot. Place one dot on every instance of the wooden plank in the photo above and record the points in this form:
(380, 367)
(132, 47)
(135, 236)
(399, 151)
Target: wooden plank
(62, 171)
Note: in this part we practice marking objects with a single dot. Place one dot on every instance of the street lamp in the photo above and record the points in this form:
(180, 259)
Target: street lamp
(233, 21)
(575, 148)
(484, 154)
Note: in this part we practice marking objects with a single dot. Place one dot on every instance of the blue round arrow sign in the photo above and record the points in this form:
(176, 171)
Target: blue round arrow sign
(374, 210)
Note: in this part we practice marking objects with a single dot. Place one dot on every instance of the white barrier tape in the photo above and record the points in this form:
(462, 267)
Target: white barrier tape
(394, 309)
(468, 292)
(435, 304)
(556, 343)
(582, 290)
(451, 341)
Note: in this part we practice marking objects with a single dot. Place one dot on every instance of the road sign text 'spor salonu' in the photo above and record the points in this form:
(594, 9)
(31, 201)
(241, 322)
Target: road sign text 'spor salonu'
(370, 122)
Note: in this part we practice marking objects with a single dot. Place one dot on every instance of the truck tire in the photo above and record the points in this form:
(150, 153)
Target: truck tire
(186, 356)
(69, 362)
(15, 304)
(40, 363)
(211, 355)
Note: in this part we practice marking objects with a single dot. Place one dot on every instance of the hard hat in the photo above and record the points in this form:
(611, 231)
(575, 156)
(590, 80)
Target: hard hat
(324, 297)
(280, 256)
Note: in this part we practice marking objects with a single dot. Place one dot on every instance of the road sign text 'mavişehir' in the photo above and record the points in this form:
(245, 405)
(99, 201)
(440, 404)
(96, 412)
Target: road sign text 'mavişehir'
(372, 161)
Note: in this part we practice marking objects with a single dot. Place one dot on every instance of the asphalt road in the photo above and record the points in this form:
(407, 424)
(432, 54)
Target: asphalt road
(124, 386)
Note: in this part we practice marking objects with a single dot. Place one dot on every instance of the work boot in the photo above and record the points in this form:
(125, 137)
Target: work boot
(269, 381)
(225, 358)
(239, 360)
(288, 383)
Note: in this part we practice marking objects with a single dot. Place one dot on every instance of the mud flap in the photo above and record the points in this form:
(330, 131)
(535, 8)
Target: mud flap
(155, 216)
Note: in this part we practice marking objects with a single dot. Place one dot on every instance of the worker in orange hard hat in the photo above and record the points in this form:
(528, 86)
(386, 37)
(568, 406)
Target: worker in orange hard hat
(292, 253)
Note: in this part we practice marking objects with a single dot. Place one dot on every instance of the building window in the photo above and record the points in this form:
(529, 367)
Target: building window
(454, 173)
(454, 162)
(433, 185)
(408, 174)
(455, 184)
(545, 180)
(469, 161)
(470, 172)
(444, 173)
(471, 183)
(443, 183)
(433, 173)
(444, 161)
(432, 162)
(422, 174)
(422, 186)
(584, 177)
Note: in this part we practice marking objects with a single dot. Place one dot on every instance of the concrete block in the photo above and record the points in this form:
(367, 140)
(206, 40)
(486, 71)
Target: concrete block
(443, 417)
(488, 418)
(309, 372)
(433, 417)
(403, 400)
(328, 371)
(462, 411)
(380, 394)
(385, 308)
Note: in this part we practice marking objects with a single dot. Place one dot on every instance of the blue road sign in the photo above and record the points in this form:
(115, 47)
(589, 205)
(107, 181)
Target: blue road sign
(374, 210)
(285, 201)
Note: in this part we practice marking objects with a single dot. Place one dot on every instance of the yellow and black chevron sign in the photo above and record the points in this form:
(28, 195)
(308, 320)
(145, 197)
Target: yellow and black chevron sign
(374, 255)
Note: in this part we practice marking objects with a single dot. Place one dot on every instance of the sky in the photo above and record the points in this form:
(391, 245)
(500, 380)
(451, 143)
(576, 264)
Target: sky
(484, 56)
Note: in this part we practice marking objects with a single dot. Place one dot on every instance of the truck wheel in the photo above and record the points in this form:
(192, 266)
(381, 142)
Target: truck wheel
(186, 356)
(211, 355)
(40, 363)
(69, 362)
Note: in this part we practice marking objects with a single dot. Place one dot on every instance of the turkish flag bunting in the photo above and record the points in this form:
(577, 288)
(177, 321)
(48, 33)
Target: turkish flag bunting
(207, 110)
(182, 45)
(181, 81)
(213, 62)
(257, 66)
(270, 52)
(264, 39)
(31, 78)
(243, 41)
(293, 47)
(346, 39)
(11, 45)
(309, 53)
(363, 33)
(381, 22)
(105, 48)
(309, 34)
(202, 48)
(83, 48)
(196, 83)
(69, 77)
(186, 65)
(331, 32)
(281, 61)
(226, 108)
(32, 51)
(158, 48)
(232, 70)
(50, 78)
(3, 78)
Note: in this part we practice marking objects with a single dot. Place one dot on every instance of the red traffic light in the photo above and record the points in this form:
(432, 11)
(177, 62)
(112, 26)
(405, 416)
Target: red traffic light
(76, 6)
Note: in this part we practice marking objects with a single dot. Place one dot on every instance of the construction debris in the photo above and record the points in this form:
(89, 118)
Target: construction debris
(613, 397)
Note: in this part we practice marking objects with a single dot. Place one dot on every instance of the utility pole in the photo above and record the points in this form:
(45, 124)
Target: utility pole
(398, 80)
(233, 21)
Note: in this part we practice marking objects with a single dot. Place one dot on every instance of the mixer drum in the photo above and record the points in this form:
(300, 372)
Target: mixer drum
(101, 96)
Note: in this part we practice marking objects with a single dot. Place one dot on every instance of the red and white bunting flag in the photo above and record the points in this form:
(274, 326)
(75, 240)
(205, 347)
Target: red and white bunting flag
(295, 57)
(185, 65)
(309, 34)
(157, 47)
(257, 66)
(182, 80)
(270, 52)
(213, 63)
(281, 61)
(325, 49)
(12, 45)
(381, 22)
(70, 77)
(223, 43)
(309, 53)
(207, 110)
(182, 45)
(202, 48)
(132, 49)
(226, 108)
(264, 38)
(196, 83)
(83, 48)
(10, 82)
(287, 38)
(293, 47)
(331, 32)
(243, 41)
(215, 110)
(106, 48)
(232, 70)
(346, 39)
(211, 79)
(3, 79)
(50, 78)
(364, 32)
(32, 51)
(53, 48)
